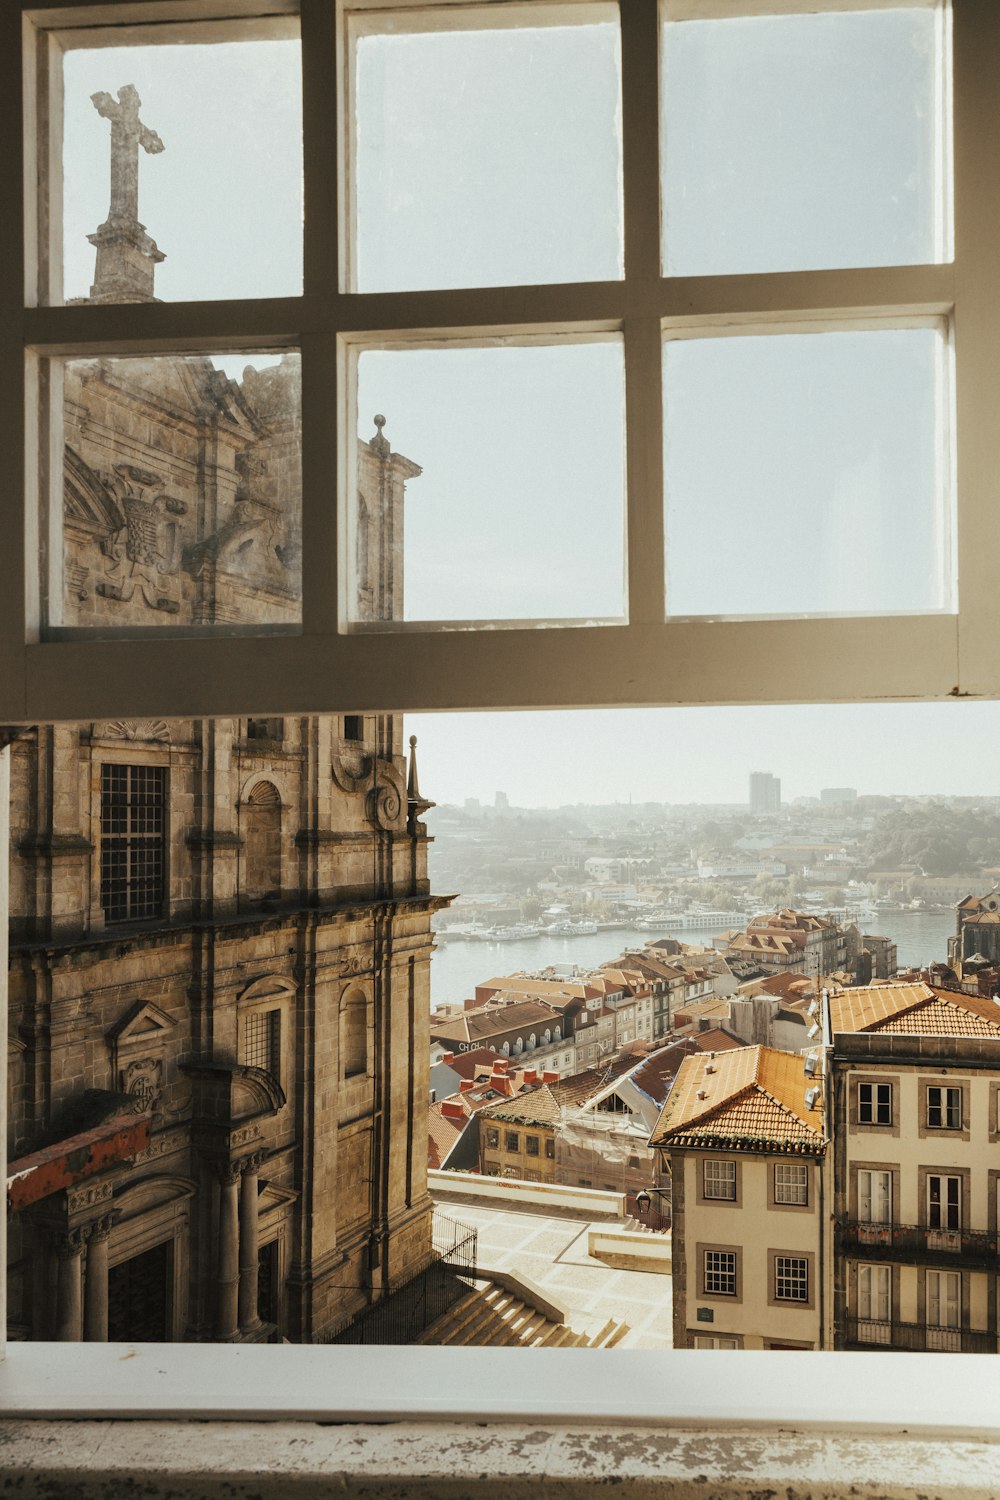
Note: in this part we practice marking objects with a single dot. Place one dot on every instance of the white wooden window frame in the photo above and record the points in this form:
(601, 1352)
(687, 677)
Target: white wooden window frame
(646, 661)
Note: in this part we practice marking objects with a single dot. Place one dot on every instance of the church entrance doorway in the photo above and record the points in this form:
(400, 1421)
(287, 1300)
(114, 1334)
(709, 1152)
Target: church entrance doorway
(139, 1297)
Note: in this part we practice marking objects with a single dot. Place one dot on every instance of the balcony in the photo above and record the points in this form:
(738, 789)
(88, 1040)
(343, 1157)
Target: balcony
(870, 1333)
(919, 1242)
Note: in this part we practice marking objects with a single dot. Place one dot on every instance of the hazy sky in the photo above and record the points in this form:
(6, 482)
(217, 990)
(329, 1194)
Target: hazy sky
(707, 754)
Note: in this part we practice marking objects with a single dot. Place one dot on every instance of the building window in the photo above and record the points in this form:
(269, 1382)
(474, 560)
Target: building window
(354, 1033)
(550, 1149)
(511, 1172)
(492, 1169)
(944, 1108)
(720, 1180)
(715, 1341)
(354, 727)
(791, 1182)
(719, 1273)
(874, 1304)
(944, 1310)
(492, 1139)
(265, 729)
(944, 1202)
(512, 1141)
(874, 1103)
(262, 1042)
(532, 1174)
(133, 842)
(531, 1145)
(874, 1196)
(791, 1278)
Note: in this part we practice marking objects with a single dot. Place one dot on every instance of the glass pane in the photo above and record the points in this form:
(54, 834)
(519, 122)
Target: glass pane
(805, 474)
(181, 492)
(800, 142)
(182, 171)
(518, 511)
(485, 157)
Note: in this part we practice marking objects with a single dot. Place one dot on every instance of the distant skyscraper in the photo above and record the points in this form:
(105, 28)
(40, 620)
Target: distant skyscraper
(501, 802)
(765, 792)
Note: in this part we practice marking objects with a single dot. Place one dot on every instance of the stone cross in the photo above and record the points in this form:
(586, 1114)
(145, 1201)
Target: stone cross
(128, 133)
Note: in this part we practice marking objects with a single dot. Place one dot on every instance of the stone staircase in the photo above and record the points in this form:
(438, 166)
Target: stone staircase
(491, 1317)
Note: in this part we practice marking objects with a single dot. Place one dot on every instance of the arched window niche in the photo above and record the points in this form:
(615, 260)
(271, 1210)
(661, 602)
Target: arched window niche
(354, 1032)
(261, 820)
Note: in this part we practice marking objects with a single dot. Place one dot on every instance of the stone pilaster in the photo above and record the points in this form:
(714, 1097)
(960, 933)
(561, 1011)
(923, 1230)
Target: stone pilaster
(95, 1295)
(69, 1293)
(249, 1317)
(228, 1264)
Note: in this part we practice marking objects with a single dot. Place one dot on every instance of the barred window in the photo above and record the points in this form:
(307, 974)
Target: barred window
(133, 841)
(944, 1109)
(720, 1179)
(874, 1103)
(511, 1141)
(720, 1273)
(791, 1278)
(531, 1145)
(262, 1042)
(492, 1168)
(791, 1182)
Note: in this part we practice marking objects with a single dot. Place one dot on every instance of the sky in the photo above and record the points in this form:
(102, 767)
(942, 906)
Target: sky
(707, 754)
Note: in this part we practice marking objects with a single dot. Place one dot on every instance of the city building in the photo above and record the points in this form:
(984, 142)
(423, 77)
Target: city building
(794, 940)
(837, 796)
(914, 1089)
(743, 1139)
(977, 931)
(765, 793)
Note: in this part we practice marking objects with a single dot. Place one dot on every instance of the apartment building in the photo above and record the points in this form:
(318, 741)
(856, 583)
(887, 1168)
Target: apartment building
(915, 1111)
(743, 1139)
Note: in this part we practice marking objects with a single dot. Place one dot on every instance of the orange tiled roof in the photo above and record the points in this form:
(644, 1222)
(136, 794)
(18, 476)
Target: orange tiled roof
(753, 1097)
(914, 1009)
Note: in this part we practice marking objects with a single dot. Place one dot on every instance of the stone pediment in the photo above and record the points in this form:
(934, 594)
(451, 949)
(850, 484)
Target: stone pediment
(87, 501)
(143, 1024)
(229, 1093)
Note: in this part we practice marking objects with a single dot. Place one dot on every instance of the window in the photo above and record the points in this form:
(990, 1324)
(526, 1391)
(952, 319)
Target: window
(550, 1148)
(874, 1304)
(944, 1310)
(944, 1108)
(265, 729)
(354, 727)
(944, 1202)
(719, 1273)
(133, 841)
(531, 1145)
(492, 1168)
(791, 1182)
(720, 1179)
(874, 1103)
(874, 1196)
(532, 1174)
(715, 1341)
(492, 1138)
(262, 1042)
(791, 1278)
(512, 1141)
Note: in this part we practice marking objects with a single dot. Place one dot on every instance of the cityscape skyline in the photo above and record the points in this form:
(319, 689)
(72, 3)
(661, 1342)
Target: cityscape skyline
(705, 755)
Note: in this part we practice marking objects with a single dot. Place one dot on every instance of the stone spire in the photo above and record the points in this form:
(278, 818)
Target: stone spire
(126, 255)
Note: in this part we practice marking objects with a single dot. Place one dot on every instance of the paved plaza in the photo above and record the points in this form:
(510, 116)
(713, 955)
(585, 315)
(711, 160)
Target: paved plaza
(552, 1253)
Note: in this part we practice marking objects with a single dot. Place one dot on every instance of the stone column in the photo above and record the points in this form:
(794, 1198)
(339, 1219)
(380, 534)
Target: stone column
(95, 1294)
(249, 1316)
(69, 1294)
(227, 1325)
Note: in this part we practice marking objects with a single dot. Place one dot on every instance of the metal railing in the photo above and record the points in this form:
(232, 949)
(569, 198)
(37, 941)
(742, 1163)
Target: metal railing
(902, 1240)
(872, 1333)
(408, 1310)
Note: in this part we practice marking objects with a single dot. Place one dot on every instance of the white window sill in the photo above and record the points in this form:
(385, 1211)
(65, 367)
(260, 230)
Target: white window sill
(844, 1393)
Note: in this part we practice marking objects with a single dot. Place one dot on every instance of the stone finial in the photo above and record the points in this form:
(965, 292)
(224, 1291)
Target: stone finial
(126, 255)
(415, 804)
(380, 443)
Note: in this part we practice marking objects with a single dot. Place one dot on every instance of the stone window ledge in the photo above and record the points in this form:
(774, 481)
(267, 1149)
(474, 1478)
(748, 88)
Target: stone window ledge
(116, 1460)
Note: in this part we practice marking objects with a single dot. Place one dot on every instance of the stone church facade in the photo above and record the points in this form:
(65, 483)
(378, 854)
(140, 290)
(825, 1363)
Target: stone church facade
(220, 947)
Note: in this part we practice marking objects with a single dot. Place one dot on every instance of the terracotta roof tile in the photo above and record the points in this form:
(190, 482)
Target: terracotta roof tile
(915, 1010)
(752, 1094)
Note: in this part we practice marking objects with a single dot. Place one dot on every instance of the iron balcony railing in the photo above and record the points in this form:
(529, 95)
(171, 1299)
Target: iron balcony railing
(900, 1241)
(872, 1333)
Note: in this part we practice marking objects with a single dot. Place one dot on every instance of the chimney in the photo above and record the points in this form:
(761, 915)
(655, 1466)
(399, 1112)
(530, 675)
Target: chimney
(448, 1058)
(550, 1076)
(531, 1075)
(466, 1084)
(452, 1110)
(501, 1065)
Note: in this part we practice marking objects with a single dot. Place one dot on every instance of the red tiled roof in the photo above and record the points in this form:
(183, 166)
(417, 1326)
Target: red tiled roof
(750, 1097)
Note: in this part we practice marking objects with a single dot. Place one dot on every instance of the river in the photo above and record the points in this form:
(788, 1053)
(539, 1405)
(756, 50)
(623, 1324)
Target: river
(457, 967)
